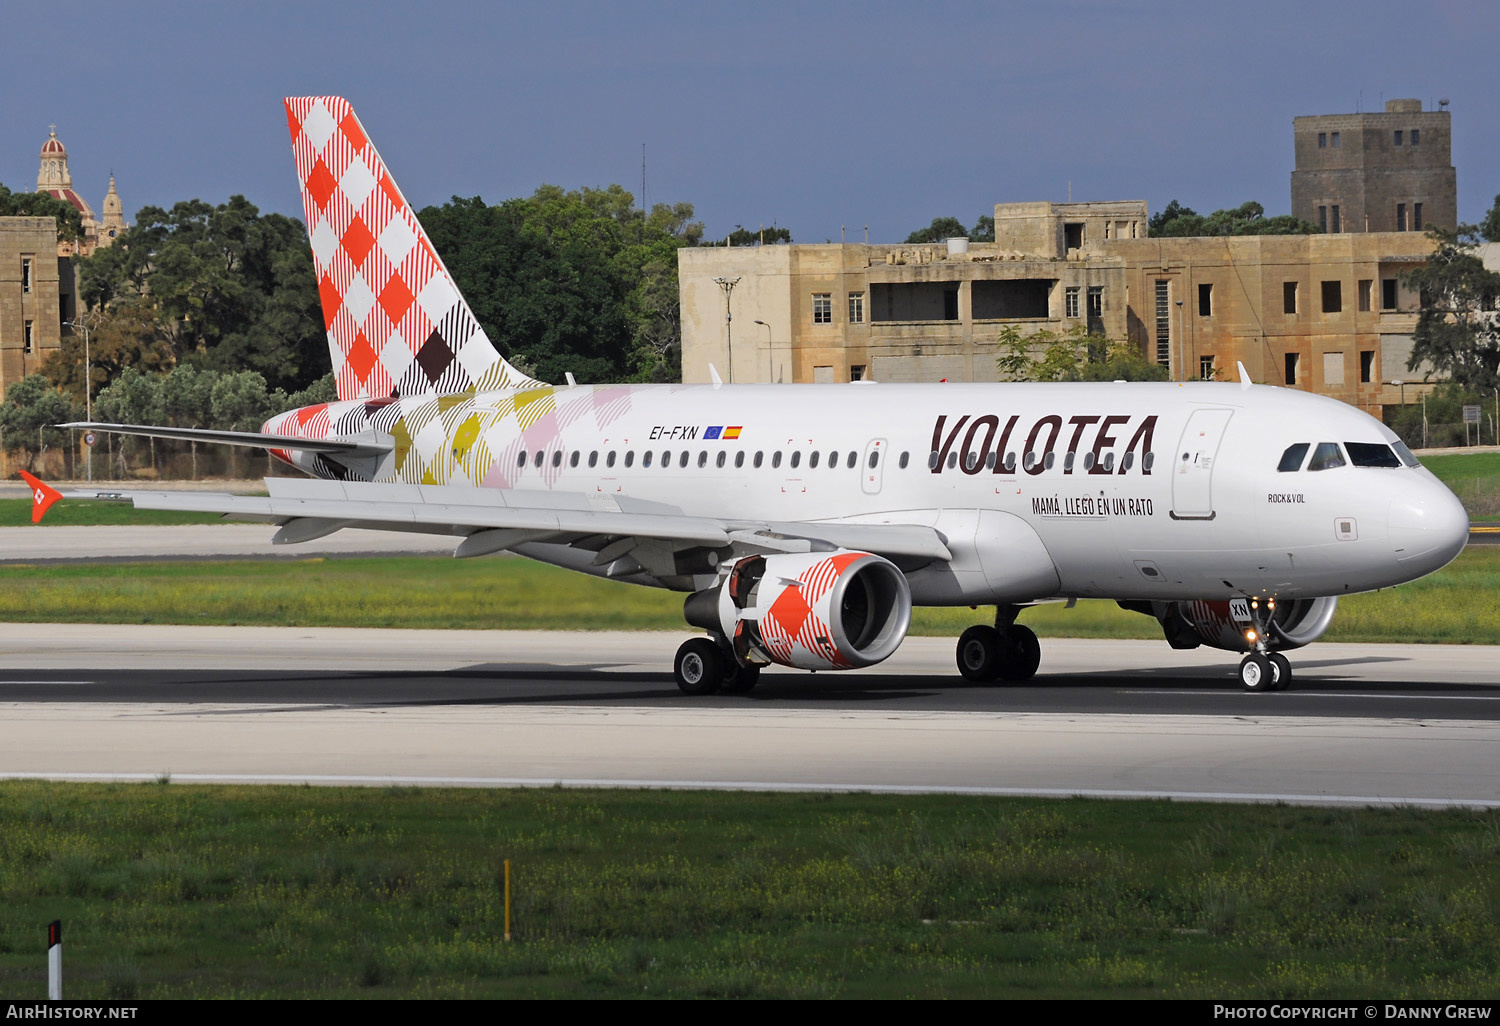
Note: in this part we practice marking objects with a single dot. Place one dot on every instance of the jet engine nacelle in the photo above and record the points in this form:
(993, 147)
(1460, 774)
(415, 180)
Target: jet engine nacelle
(1223, 624)
(816, 611)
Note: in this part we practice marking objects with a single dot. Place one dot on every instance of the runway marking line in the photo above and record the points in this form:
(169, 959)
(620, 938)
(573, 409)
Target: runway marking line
(1331, 694)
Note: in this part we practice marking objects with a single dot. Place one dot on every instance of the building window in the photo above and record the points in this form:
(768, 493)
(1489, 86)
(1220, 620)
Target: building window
(1096, 300)
(1323, 219)
(27, 346)
(1398, 137)
(1070, 301)
(1387, 293)
(856, 308)
(1333, 297)
(1163, 322)
(1416, 217)
(950, 305)
(1206, 368)
(1291, 368)
(1289, 297)
(1416, 136)
(1338, 225)
(1335, 140)
(25, 274)
(1367, 365)
(1205, 300)
(1322, 140)
(1400, 217)
(857, 372)
(822, 307)
(1366, 294)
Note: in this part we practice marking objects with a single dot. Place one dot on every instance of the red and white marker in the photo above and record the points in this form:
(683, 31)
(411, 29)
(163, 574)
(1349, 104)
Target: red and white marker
(54, 960)
(43, 496)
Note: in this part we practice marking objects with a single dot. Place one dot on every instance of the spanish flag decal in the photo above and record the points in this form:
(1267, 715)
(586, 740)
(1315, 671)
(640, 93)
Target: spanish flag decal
(731, 433)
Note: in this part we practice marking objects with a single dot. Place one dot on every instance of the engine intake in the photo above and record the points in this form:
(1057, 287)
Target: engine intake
(1222, 624)
(816, 611)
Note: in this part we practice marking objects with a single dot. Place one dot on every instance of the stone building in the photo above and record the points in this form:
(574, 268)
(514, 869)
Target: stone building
(1385, 172)
(923, 312)
(1326, 313)
(36, 295)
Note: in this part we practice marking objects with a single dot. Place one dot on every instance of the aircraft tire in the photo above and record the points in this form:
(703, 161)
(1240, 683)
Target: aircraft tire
(1255, 673)
(980, 654)
(1025, 655)
(699, 667)
(739, 680)
(1281, 670)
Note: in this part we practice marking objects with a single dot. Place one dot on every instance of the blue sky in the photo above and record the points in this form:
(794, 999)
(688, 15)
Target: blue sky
(810, 115)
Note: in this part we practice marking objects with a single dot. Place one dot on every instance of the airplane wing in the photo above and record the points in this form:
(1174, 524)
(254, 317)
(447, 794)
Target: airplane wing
(489, 520)
(371, 446)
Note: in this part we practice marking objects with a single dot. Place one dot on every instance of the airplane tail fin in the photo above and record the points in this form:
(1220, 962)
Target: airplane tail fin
(396, 322)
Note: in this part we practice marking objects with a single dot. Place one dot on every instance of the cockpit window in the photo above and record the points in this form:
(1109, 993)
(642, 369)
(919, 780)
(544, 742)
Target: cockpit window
(1407, 456)
(1291, 460)
(1326, 456)
(1371, 454)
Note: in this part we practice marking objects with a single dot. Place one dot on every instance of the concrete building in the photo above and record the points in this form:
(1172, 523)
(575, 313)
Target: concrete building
(1385, 172)
(36, 296)
(923, 312)
(1326, 313)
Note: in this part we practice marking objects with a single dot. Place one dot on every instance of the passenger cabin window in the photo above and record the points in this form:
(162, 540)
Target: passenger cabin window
(775, 459)
(573, 460)
(1291, 460)
(812, 459)
(629, 457)
(854, 458)
(538, 461)
(1326, 456)
(609, 460)
(594, 458)
(796, 459)
(759, 456)
(739, 459)
(682, 460)
(719, 462)
(521, 460)
(703, 458)
(874, 459)
(906, 458)
(1371, 454)
(645, 460)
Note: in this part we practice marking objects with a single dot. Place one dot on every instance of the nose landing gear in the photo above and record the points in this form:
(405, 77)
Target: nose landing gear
(1262, 669)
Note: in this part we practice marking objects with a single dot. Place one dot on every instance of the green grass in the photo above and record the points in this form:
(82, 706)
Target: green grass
(168, 891)
(517, 594)
(1474, 478)
(74, 513)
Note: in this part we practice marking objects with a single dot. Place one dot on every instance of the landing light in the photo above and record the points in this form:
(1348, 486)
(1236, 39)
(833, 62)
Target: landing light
(1250, 636)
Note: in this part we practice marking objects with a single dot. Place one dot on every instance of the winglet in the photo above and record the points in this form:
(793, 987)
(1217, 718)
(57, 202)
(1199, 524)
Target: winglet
(43, 496)
(1245, 381)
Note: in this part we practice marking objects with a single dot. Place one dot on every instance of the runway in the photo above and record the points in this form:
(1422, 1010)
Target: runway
(1366, 724)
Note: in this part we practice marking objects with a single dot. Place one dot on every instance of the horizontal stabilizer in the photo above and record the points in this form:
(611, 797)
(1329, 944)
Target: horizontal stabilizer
(345, 446)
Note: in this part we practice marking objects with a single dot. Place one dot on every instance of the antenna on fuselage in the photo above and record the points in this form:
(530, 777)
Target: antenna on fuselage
(713, 372)
(569, 376)
(1245, 381)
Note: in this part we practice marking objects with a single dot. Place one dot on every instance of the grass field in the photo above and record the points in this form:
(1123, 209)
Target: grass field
(1474, 478)
(517, 594)
(194, 891)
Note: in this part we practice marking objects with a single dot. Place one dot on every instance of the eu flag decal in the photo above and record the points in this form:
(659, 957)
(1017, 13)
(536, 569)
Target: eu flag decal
(709, 434)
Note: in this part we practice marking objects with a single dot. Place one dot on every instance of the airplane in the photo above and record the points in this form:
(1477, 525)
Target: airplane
(804, 522)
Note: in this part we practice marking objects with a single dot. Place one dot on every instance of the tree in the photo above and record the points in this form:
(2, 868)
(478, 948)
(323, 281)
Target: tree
(228, 289)
(1490, 226)
(29, 417)
(984, 229)
(40, 204)
(582, 282)
(1073, 355)
(126, 335)
(1176, 220)
(1457, 331)
(757, 236)
(941, 228)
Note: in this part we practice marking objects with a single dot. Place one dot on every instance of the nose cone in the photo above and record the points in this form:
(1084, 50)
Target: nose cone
(1428, 526)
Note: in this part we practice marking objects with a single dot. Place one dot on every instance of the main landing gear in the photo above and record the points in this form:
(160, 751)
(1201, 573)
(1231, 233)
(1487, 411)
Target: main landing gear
(1007, 651)
(703, 667)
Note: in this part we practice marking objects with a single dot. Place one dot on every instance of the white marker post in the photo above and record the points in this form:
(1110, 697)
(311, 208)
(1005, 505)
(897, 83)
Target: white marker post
(54, 960)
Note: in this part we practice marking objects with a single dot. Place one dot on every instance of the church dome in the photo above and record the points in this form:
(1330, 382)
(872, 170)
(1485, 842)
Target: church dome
(53, 147)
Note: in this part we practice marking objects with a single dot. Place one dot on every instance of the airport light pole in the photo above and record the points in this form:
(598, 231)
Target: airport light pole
(728, 284)
(88, 387)
(770, 353)
(1401, 384)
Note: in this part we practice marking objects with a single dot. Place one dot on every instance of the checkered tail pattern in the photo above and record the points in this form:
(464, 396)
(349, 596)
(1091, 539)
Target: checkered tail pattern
(397, 325)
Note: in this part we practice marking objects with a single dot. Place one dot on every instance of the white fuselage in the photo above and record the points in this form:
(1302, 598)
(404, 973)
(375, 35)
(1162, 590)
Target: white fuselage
(1123, 491)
